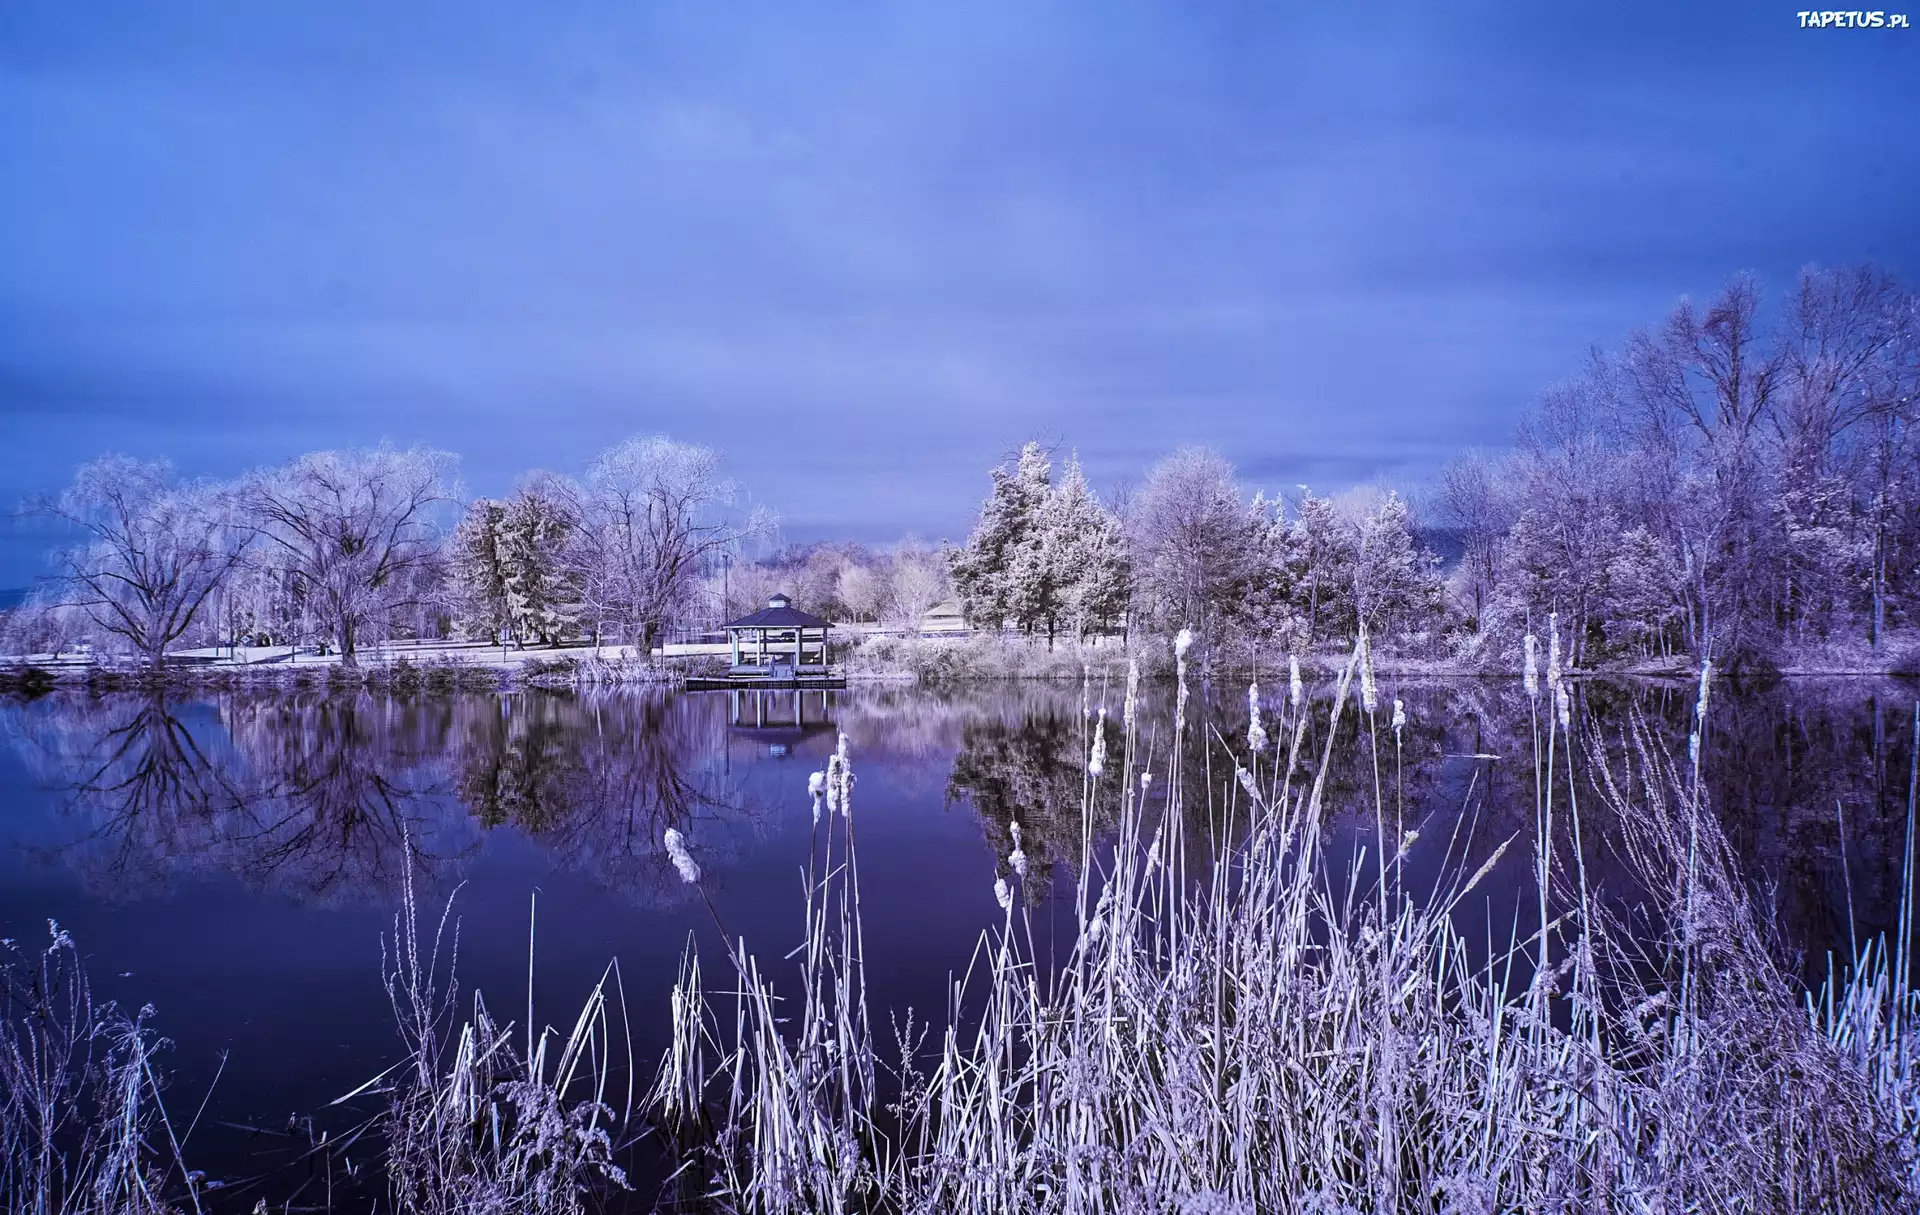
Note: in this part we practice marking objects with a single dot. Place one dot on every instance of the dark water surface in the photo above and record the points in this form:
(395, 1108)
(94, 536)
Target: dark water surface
(233, 860)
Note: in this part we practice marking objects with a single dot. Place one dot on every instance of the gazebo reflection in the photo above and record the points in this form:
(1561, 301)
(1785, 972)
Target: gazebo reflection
(780, 718)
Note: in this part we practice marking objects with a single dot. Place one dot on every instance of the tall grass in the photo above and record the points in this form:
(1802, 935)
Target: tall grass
(82, 1127)
(1244, 1025)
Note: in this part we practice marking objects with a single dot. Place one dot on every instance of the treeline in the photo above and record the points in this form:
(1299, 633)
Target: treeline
(1737, 481)
(344, 548)
(1730, 483)
(1189, 550)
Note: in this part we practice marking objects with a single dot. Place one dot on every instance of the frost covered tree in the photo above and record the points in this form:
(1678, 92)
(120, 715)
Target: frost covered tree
(1323, 551)
(351, 531)
(477, 574)
(1476, 504)
(538, 532)
(1192, 553)
(150, 552)
(862, 592)
(1643, 587)
(656, 515)
(1396, 583)
(917, 585)
(1073, 567)
(991, 592)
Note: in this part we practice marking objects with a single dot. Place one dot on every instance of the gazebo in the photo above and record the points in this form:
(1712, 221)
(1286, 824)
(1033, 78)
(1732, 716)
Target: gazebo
(779, 644)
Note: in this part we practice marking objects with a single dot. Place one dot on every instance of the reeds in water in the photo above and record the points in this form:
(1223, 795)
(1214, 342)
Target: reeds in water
(1275, 1033)
(82, 1127)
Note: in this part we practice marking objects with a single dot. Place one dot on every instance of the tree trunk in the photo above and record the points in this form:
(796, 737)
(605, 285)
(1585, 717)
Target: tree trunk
(349, 656)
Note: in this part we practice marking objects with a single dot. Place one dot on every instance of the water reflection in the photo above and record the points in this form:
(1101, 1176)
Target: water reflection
(323, 797)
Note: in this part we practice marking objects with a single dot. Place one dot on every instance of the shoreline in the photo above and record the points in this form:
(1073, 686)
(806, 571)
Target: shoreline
(559, 671)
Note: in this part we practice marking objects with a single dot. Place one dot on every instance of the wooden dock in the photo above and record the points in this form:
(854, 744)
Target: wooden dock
(777, 681)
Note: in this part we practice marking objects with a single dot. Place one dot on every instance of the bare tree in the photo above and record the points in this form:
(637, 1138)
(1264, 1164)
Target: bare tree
(657, 515)
(1477, 507)
(1190, 535)
(351, 529)
(153, 551)
(918, 584)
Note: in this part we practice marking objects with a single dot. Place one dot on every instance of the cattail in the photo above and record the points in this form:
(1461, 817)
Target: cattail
(1018, 860)
(1693, 748)
(1296, 691)
(1182, 641)
(1256, 732)
(1247, 783)
(1097, 761)
(1562, 706)
(1706, 682)
(1003, 894)
(1530, 673)
(1146, 778)
(1369, 695)
(1133, 694)
(1553, 649)
(1399, 719)
(682, 859)
(1086, 692)
(817, 784)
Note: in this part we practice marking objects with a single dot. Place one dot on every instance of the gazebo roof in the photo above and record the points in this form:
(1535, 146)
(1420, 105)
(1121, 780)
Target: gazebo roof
(779, 614)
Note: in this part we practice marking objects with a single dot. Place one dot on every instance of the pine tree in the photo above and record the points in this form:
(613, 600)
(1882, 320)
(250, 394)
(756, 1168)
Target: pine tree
(533, 534)
(1075, 568)
(478, 571)
(1396, 585)
(987, 573)
(1323, 551)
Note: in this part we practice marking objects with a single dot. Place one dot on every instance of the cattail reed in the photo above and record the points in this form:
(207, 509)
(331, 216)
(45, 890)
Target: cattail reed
(1530, 673)
(1256, 731)
(1003, 894)
(1097, 758)
(1133, 695)
(1553, 649)
(682, 859)
(1017, 858)
(1182, 641)
(1296, 690)
(1369, 694)
(1399, 719)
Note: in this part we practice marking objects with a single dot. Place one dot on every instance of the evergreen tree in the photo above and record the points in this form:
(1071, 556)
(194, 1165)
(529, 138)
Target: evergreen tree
(1081, 561)
(1643, 589)
(987, 573)
(534, 534)
(1396, 584)
(479, 573)
(1322, 553)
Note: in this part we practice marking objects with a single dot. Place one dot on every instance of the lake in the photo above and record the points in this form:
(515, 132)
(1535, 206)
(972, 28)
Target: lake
(234, 859)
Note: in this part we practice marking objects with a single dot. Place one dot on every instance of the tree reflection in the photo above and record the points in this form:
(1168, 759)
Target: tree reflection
(316, 798)
(321, 797)
(598, 780)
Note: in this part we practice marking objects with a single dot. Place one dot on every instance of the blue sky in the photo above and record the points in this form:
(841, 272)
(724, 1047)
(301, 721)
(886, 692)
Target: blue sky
(867, 248)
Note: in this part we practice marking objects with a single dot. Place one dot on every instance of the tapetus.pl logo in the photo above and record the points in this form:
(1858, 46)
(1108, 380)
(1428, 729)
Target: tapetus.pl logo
(1854, 20)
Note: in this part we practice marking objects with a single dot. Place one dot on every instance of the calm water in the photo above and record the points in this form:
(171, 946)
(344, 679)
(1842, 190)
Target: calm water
(233, 860)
